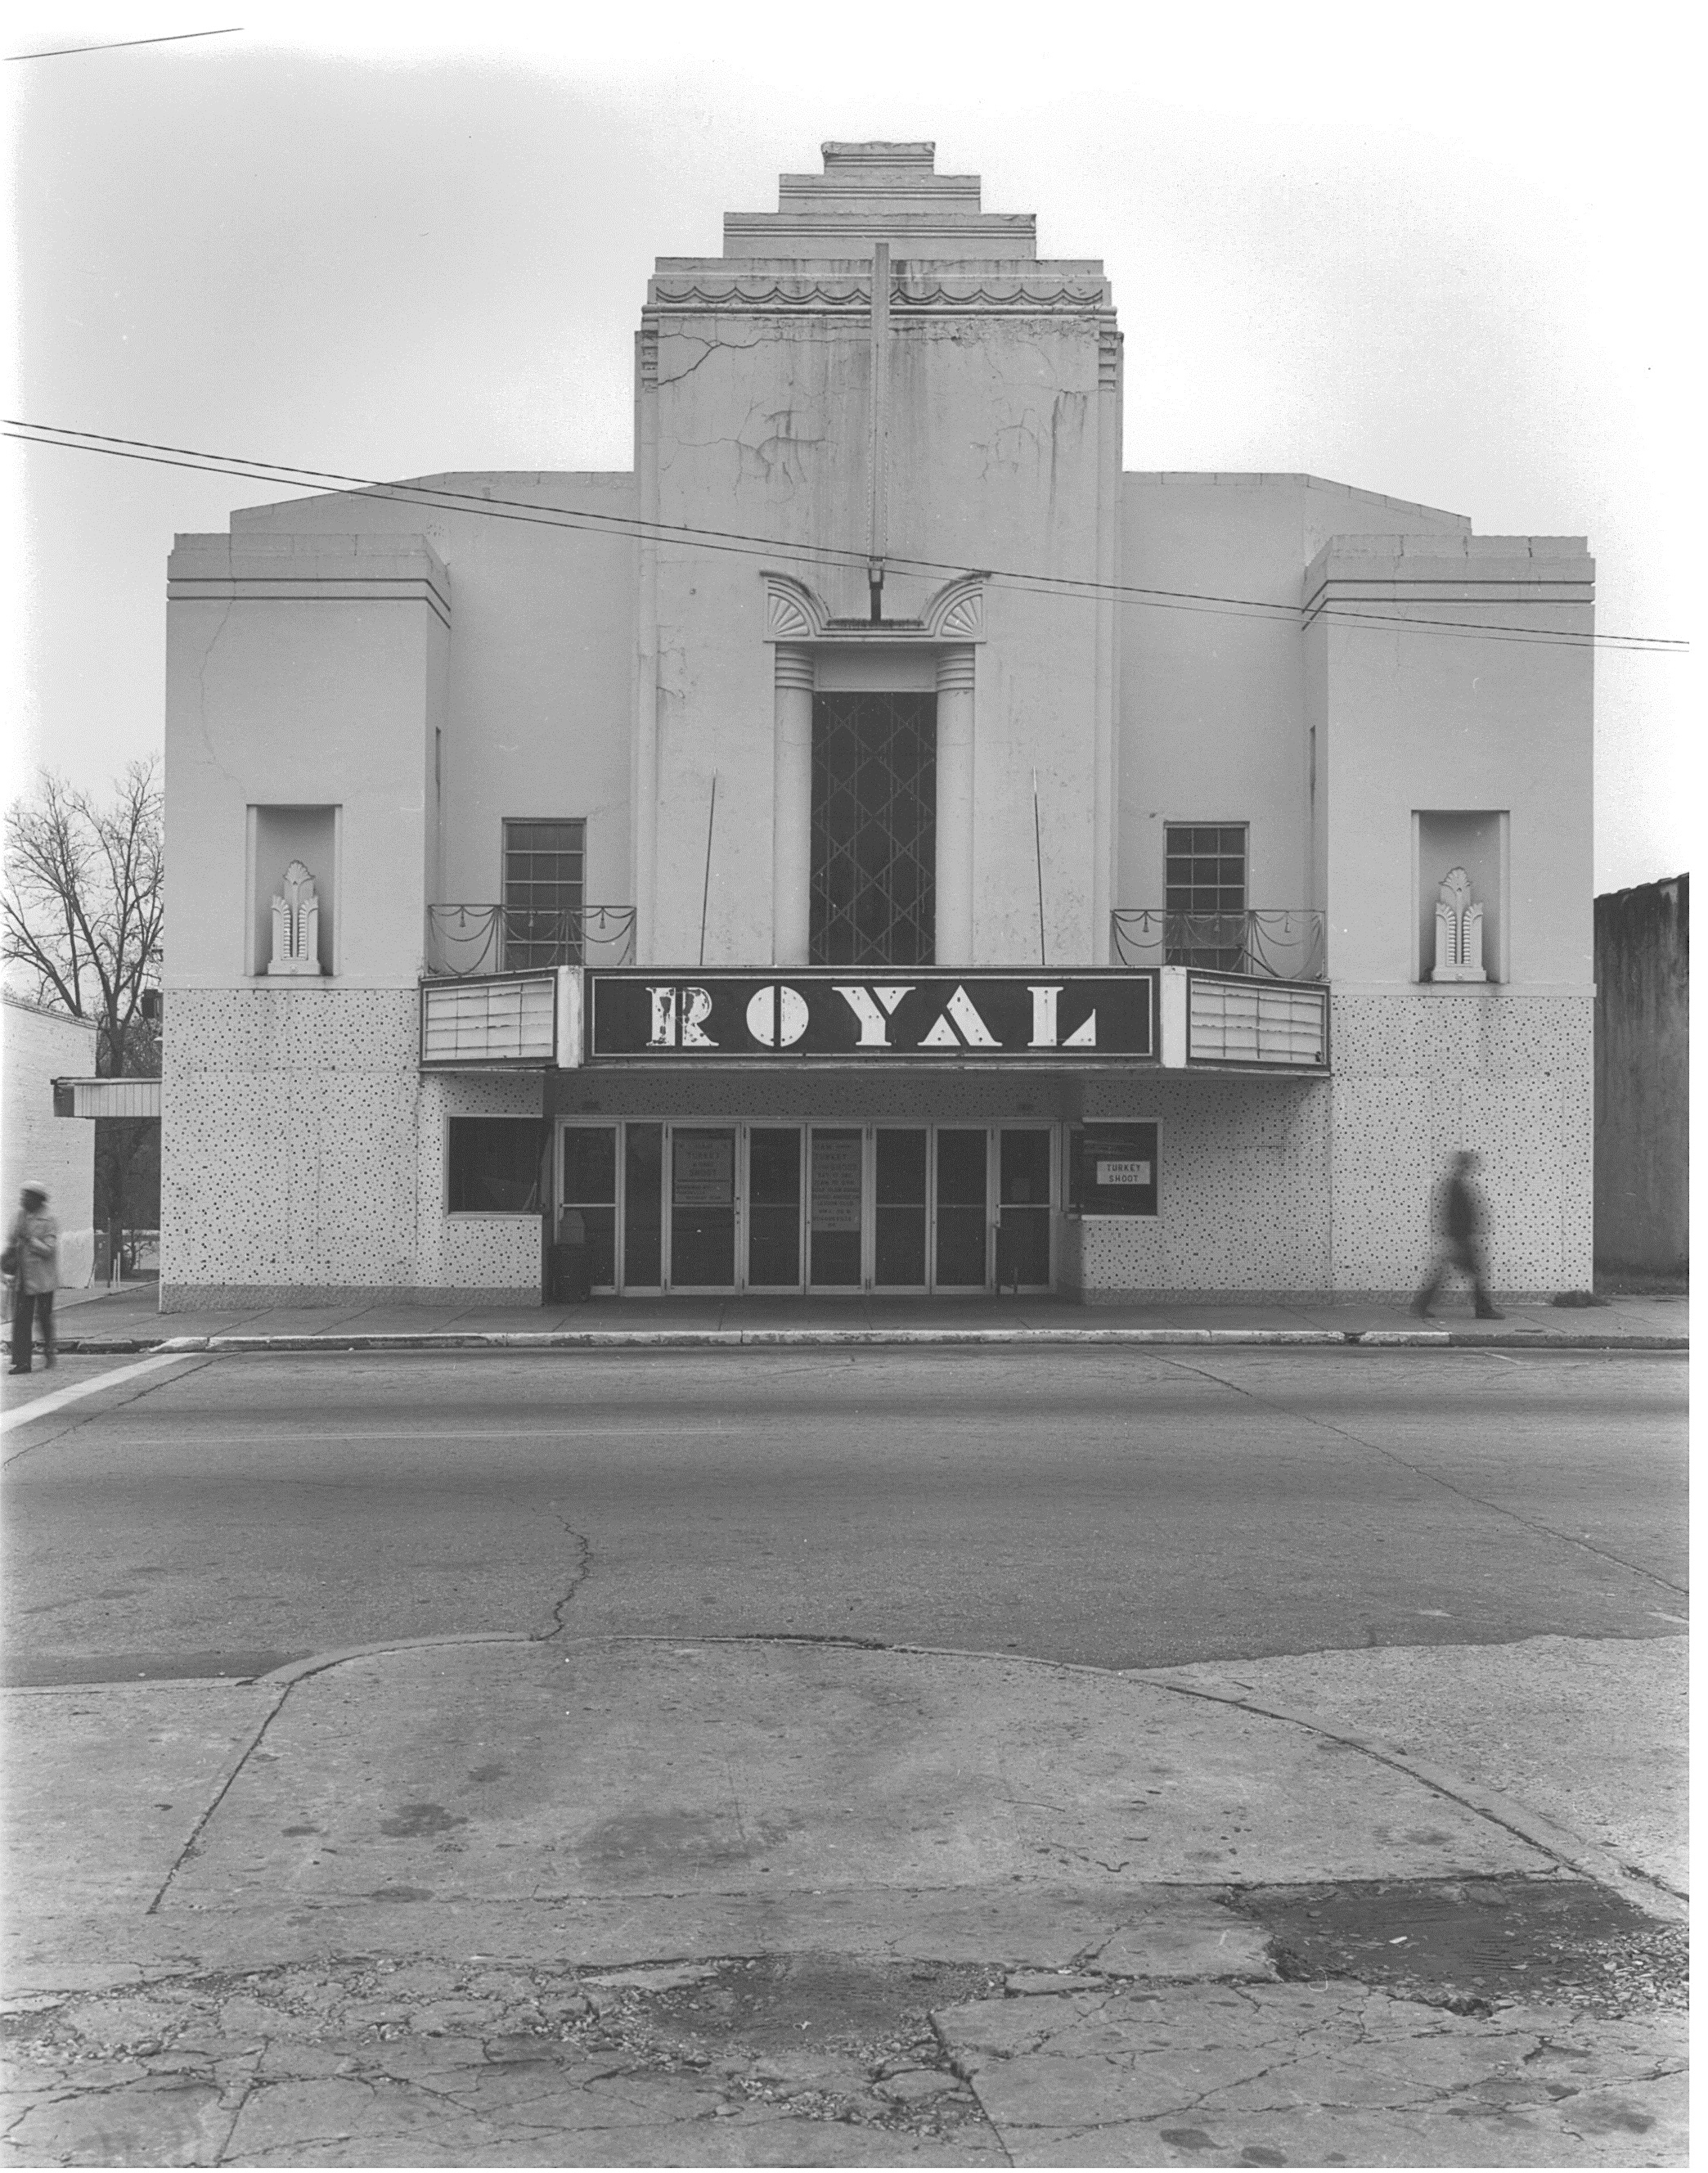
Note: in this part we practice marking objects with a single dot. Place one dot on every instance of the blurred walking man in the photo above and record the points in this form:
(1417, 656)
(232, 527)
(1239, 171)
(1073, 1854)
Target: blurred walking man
(1460, 1214)
(32, 1244)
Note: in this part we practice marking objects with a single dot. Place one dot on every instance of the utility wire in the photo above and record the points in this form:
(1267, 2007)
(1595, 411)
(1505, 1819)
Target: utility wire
(635, 528)
(120, 45)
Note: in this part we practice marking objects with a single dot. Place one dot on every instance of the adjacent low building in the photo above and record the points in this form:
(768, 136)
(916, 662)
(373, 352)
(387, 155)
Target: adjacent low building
(40, 1049)
(882, 842)
(1642, 1083)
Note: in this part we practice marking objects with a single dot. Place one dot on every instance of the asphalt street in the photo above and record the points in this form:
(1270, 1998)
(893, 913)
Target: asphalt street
(1120, 1510)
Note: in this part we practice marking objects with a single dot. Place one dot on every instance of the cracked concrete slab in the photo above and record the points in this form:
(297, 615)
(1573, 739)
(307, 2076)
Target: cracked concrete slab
(72, 1833)
(617, 1902)
(1316, 2075)
(1591, 1732)
(541, 1773)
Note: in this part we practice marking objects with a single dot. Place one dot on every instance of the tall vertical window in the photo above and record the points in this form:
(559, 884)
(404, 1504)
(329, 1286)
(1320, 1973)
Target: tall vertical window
(544, 891)
(1204, 895)
(874, 899)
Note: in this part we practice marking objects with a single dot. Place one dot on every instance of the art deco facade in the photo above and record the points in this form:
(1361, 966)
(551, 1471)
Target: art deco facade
(882, 842)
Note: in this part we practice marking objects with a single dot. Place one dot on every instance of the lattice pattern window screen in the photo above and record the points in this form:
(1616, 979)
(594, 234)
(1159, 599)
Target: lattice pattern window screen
(873, 829)
(1232, 1022)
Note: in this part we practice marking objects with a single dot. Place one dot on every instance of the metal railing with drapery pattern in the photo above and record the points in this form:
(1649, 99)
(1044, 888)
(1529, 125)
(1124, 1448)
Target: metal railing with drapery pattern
(1274, 943)
(465, 939)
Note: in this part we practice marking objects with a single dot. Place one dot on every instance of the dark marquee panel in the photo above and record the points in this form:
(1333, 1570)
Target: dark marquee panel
(685, 1018)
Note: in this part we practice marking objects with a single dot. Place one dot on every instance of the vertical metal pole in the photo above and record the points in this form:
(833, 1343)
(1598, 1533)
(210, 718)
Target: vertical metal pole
(1037, 846)
(706, 887)
(877, 538)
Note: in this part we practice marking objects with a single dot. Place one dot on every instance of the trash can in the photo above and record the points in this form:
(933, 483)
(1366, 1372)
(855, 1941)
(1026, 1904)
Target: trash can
(569, 1275)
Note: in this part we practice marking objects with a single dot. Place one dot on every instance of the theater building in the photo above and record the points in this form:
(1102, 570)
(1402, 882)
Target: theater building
(882, 843)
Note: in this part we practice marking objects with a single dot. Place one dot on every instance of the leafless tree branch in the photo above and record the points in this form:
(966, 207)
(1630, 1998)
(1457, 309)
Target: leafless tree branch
(81, 907)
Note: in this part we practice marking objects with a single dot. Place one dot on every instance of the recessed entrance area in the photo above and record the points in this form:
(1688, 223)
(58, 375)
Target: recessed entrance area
(689, 1206)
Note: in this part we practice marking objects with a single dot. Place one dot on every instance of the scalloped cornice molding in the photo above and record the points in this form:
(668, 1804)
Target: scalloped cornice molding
(956, 611)
(792, 612)
(795, 612)
(1076, 296)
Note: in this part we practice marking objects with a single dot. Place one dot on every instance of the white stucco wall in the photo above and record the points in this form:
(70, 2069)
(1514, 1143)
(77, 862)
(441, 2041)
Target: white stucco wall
(1213, 713)
(537, 696)
(36, 1048)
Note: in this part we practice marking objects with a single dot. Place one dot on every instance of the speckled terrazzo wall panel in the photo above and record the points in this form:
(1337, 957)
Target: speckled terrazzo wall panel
(289, 1138)
(497, 1253)
(1243, 1196)
(1418, 1076)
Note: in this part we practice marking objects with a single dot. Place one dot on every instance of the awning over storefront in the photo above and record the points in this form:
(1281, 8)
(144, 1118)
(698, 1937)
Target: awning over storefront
(107, 1098)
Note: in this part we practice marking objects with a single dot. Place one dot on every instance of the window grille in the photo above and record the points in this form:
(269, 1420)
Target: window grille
(873, 829)
(1204, 895)
(544, 873)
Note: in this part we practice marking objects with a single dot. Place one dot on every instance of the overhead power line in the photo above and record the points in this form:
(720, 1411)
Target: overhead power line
(634, 527)
(119, 44)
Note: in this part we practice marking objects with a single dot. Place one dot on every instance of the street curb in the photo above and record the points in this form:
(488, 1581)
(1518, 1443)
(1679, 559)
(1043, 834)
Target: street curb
(761, 1338)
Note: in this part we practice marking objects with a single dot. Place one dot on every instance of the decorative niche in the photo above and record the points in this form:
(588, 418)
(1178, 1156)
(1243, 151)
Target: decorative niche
(1459, 875)
(292, 931)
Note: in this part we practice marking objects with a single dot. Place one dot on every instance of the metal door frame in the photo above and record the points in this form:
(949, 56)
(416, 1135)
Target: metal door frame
(742, 1127)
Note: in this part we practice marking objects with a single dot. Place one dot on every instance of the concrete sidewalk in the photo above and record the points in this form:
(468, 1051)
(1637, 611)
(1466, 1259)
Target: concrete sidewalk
(642, 1902)
(128, 1320)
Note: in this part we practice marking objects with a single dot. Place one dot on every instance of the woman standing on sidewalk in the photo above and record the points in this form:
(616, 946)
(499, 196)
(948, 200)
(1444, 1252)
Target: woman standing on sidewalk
(33, 1247)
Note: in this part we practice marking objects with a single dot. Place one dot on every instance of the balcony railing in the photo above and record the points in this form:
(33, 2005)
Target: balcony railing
(465, 939)
(1273, 943)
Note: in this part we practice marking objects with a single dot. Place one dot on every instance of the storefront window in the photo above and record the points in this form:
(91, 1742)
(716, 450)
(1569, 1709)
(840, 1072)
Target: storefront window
(494, 1166)
(1112, 1169)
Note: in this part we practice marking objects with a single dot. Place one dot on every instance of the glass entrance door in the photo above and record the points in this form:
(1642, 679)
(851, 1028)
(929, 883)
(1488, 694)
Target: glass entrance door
(1023, 1211)
(902, 1204)
(963, 1193)
(645, 1204)
(774, 1206)
(587, 1225)
(836, 1202)
(703, 1207)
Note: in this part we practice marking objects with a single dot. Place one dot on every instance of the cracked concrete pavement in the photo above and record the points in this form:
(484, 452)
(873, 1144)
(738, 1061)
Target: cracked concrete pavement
(654, 1901)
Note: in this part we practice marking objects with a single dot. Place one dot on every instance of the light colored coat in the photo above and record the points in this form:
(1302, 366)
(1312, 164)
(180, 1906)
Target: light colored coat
(37, 1239)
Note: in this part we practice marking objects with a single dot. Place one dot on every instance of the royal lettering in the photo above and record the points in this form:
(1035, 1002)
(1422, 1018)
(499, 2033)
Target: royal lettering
(874, 1021)
(820, 1015)
(679, 1018)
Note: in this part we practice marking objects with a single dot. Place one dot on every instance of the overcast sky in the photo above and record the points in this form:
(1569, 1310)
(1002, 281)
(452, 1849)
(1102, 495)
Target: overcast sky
(1450, 261)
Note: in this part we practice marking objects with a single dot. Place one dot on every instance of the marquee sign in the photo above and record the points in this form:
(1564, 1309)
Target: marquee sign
(684, 1019)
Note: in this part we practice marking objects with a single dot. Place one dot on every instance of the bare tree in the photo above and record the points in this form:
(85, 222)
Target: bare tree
(81, 900)
(81, 903)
